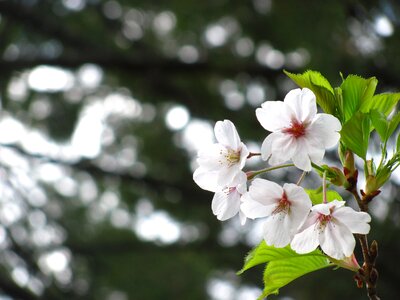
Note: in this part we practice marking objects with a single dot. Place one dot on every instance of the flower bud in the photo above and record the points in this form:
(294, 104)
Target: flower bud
(348, 165)
(373, 251)
(371, 185)
(350, 171)
(373, 276)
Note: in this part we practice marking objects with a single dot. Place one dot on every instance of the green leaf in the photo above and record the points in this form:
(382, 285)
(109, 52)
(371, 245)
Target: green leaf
(355, 134)
(356, 91)
(380, 123)
(281, 272)
(398, 143)
(264, 254)
(283, 265)
(381, 102)
(320, 86)
(384, 127)
(316, 196)
(393, 124)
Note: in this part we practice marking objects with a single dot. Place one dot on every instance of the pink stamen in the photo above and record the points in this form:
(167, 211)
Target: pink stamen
(297, 129)
(283, 205)
(323, 219)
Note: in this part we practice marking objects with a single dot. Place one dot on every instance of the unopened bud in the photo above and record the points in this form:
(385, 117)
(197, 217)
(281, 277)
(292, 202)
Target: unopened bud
(373, 251)
(349, 162)
(371, 184)
(373, 276)
(369, 167)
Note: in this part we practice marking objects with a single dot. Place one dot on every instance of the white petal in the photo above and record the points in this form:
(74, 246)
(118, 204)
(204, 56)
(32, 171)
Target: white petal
(225, 205)
(357, 222)
(306, 240)
(273, 115)
(337, 241)
(253, 209)
(277, 230)
(266, 192)
(326, 129)
(212, 157)
(244, 152)
(311, 220)
(278, 147)
(266, 147)
(226, 175)
(336, 204)
(207, 180)
(300, 158)
(303, 104)
(227, 135)
(296, 194)
(242, 218)
(326, 208)
(240, 182)
(300, 204)
(315, 149)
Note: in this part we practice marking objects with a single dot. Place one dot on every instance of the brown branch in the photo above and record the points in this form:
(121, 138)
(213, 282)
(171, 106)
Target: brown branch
(368, 272)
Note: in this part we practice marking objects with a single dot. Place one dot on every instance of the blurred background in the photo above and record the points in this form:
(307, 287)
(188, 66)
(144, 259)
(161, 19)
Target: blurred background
(103, 107)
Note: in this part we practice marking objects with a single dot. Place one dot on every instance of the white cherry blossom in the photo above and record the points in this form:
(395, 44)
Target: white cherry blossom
(331, 225)
(222, 161)
(298, 133)
(286, 209)
(226, 201)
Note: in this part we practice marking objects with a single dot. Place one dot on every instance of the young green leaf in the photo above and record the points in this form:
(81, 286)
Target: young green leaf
(320, 86)
(264, 254)
(398, 143)
(281, 272)
(356, 91)
(381, 102)
(316, 196)
(283, 265)
(355, 134)
(380, 123)
(393, 124)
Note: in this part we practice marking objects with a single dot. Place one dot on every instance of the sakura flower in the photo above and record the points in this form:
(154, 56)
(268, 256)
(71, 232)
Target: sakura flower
(286, 209)
(331, 225)
(222, 161)
(226, 202)
(298, 132)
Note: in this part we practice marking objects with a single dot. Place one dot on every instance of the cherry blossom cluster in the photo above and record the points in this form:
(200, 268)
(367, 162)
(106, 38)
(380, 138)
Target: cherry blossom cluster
(298, 134)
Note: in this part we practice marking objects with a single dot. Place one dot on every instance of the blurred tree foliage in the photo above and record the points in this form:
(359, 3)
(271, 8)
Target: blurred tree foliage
(97, 198)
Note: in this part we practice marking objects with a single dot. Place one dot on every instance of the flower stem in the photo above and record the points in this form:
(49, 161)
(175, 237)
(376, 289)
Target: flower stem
(251, 154)
(301, 178)
(252, 174)
(317, 167)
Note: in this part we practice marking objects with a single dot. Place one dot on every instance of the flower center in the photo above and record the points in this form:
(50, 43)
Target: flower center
(324, 219)
(231, 156)
(229, 190)
(296, 129)
(283, 205)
